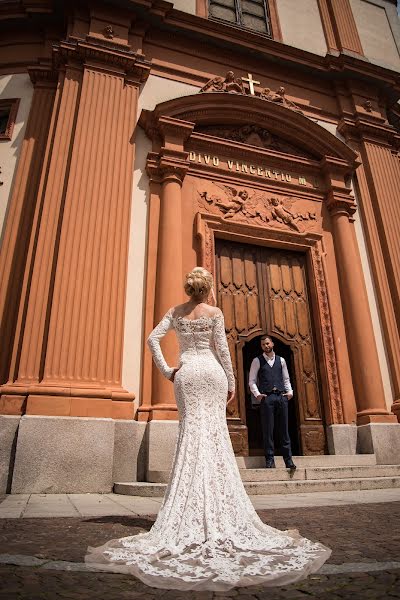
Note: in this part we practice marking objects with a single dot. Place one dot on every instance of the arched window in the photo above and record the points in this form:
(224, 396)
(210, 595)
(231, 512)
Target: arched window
(249, 14)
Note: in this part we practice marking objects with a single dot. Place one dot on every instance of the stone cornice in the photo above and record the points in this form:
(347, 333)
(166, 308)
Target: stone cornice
(218, 33)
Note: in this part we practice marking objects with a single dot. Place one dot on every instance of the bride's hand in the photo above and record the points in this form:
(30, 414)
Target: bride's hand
(173, 374)
(229, 403)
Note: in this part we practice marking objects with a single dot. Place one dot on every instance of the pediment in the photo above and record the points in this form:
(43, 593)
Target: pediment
(236, 111)
(256, 136)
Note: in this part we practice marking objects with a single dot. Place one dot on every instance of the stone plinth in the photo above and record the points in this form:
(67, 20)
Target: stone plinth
(161, 442)
(63, 455)
(129, 451)
(342, 439)
(8, 440)
(381, 438)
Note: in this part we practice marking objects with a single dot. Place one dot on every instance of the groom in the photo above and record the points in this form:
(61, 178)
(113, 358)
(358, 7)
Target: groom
(269, 382)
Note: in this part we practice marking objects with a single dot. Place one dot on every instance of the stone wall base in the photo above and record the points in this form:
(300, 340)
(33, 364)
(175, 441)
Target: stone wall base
(8, 443)
(40, 454)
(56, 455)
(382, 439)
(161, 443)
(342, 439)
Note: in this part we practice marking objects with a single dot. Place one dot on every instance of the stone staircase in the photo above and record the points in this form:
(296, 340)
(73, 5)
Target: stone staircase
(330, 473)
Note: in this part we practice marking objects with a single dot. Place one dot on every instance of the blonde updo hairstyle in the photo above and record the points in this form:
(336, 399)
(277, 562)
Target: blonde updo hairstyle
(198, 283)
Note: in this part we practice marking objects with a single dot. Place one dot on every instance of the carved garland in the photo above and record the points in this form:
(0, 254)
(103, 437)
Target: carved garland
(327, 338)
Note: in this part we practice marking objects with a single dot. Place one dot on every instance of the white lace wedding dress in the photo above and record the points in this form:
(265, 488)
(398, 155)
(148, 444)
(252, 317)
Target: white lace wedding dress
(207, 535)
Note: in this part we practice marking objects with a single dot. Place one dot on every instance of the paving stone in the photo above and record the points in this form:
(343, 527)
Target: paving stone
(357, 534)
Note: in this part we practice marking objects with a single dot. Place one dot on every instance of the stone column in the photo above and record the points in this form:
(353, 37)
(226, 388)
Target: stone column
(371, 406)
(169, 272)
(378, 188)
(168, 168)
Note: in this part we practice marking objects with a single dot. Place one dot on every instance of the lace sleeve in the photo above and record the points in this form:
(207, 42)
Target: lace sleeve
(153, 341)
(222, 349)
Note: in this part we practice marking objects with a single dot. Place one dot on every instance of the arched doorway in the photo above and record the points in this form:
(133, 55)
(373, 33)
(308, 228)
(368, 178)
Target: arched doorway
(250, 350)
(271, 188)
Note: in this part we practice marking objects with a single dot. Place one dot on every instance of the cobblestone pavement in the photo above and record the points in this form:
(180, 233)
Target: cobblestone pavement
(358, 534)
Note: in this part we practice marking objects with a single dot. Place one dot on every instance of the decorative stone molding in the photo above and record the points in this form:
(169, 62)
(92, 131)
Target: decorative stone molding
(10, 107)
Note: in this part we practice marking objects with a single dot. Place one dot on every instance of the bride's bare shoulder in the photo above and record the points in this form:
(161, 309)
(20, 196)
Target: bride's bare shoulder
(214, 311)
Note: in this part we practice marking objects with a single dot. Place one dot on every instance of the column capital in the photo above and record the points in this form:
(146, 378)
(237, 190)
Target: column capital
(165, 131)
(103, 56)
(368, 128)
(338, 204)
(168, 165)
(43, 75)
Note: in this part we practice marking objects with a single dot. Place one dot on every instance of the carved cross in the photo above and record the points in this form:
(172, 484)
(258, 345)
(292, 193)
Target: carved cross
(249, 79)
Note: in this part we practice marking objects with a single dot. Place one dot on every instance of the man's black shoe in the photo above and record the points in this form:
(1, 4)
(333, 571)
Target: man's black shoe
(290, 464)
(270, 463)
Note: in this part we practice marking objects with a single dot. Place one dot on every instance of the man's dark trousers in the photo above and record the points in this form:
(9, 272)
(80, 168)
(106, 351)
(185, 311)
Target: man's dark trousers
(274, 416)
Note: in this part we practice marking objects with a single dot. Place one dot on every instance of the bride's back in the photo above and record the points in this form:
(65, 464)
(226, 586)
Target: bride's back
(192, 313)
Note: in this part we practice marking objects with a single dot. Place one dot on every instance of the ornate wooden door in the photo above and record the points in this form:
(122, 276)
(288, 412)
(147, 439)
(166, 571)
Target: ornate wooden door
(262, 290)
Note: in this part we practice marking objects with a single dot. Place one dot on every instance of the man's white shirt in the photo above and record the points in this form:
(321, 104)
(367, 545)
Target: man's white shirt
(255, 367)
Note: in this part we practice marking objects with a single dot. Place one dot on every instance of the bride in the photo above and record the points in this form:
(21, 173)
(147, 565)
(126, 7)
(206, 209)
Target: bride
(207, 535)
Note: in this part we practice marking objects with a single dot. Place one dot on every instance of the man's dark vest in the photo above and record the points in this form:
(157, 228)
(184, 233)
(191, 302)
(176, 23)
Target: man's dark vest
(270, 377)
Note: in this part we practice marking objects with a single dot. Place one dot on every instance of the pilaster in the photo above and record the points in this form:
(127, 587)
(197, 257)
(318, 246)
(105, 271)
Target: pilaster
(342, 24)
(69, 358)
(17, 249)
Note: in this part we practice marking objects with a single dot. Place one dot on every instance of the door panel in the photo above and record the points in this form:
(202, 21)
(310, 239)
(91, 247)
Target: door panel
(262, 290)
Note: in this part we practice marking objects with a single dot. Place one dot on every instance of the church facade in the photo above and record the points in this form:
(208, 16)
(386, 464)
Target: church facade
(259, 139)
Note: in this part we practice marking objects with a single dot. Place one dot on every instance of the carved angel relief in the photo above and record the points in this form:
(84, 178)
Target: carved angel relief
(254, 207)
(234, 85)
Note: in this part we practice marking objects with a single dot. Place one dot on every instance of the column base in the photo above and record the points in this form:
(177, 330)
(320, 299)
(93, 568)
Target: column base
(58, 455)
(342, 439)
(381, 439)
(71, 401)
(8, 441)
(396, 408)
(158, 412)
(375, 416)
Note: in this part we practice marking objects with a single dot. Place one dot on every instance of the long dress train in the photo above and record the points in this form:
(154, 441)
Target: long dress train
(207, 535)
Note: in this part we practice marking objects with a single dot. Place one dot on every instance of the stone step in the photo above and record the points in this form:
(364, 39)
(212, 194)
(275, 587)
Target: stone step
(283, 474)
(320, 473)
(321, 460)
(275, 487)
